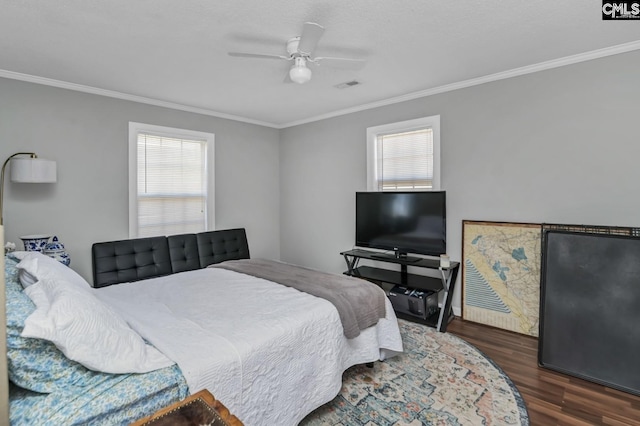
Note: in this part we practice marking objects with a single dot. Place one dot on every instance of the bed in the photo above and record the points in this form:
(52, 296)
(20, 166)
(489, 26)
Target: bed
(270, 352)
(47, 388)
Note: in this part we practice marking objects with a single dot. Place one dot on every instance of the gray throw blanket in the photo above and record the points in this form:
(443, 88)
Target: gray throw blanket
(360, 303)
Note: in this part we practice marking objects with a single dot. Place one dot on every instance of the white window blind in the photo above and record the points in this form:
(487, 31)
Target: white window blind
(171, 185)
(404, 156)
(405, 160)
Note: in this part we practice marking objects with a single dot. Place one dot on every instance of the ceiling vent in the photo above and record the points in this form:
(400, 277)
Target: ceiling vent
(348, 84)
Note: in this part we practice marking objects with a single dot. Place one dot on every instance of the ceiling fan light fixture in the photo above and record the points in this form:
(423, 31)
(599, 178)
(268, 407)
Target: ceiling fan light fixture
(301, 50)
(299, 73)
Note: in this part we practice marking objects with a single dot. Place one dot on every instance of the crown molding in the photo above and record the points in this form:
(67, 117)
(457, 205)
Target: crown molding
(542, 66)
(127, 97)
(569, 60)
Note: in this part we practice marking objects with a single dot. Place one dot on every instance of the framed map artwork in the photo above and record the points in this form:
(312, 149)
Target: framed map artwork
(501, 274)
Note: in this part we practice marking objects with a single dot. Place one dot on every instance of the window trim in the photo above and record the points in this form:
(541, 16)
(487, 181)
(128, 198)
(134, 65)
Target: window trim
(172, 132)
(432, 122)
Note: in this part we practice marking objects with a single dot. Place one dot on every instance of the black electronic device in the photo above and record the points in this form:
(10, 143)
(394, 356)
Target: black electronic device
(419, 303)
(405, 222)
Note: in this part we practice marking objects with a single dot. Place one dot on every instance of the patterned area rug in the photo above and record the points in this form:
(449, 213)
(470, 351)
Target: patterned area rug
(439, 380)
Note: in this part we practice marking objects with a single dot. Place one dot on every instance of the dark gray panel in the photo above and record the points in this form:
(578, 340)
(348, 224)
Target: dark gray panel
(590, 307)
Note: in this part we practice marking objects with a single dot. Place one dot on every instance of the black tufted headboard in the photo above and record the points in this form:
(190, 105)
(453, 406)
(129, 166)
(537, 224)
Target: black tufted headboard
(218, 246)
(137, 259)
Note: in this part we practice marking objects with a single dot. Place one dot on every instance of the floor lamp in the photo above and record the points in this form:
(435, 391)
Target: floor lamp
(25, 170)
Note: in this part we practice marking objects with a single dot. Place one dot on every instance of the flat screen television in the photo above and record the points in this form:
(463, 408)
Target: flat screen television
(405, 222)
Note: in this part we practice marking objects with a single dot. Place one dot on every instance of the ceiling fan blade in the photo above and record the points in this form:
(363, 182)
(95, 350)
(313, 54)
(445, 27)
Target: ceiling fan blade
(311, 34)
(257, 55)
(347, 63)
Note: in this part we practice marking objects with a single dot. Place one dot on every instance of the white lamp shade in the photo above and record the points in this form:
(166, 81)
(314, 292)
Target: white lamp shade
(33, 170)
(300, 74)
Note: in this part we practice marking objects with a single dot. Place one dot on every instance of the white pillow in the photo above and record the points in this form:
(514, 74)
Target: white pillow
(19, 255)
(26, 279)
(36, 266)
(88, 331)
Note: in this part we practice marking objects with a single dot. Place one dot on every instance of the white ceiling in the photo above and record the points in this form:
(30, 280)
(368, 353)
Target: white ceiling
(174, 52)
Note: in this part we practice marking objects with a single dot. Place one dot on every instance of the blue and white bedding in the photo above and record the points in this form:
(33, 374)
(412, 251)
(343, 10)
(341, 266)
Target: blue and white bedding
(48, 388)
(118, 399)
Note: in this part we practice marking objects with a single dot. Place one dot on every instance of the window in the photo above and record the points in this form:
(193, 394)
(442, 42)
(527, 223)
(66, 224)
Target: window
(170, 181)
(404, 156)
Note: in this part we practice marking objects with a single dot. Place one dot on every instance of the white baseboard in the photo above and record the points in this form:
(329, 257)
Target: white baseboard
(457, 311)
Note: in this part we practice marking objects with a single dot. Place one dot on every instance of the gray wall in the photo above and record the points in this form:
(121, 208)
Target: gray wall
(554, 146)
(557, 146)
(88, 137)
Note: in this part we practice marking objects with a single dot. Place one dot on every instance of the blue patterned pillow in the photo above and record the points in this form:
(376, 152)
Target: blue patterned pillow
(35, 364)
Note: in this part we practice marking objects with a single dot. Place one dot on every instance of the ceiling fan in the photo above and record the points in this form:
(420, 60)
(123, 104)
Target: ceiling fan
(300, 51)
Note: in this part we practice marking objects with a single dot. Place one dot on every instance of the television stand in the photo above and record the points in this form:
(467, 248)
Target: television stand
(444, 284)
(403, 257)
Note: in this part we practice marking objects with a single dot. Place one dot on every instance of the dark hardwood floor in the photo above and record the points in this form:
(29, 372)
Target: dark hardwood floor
(552, 398)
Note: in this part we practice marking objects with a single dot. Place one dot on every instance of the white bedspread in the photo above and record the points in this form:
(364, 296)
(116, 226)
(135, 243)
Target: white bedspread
(270, 353)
